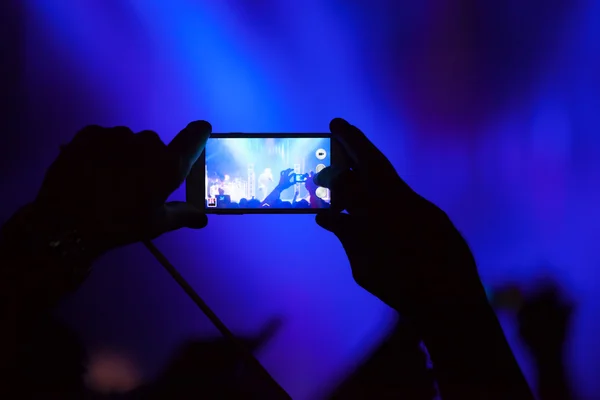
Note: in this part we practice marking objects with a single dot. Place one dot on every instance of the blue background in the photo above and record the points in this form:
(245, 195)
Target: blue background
(489, 109)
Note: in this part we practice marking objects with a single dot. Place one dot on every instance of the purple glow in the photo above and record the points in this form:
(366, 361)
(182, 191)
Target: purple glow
(506, 141)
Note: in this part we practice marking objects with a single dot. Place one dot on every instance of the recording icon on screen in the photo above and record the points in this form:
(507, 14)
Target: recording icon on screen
(321, 154)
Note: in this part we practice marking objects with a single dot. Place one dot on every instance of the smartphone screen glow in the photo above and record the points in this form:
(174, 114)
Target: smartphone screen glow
(248, 173)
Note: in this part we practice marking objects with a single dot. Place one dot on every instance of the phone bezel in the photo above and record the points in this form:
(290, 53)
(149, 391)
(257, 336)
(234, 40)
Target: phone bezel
(194, 184)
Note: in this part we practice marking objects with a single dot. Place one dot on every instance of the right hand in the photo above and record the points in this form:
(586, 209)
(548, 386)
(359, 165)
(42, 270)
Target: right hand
(310, 185)
(401, 247)
(544, 320)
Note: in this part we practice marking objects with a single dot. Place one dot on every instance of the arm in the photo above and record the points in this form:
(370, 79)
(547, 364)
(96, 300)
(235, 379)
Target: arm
(88, 204)
(284, 183)
(41, 260)
(34, 276)
(426, 272)
(552, 378)
(470, 355)
(273, 196)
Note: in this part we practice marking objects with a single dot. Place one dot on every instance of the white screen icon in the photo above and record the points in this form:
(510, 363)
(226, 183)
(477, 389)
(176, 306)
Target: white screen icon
(321, 154)
(321, 193)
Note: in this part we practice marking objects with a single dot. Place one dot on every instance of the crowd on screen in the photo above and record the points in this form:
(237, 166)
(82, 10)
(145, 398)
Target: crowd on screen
(305, 196)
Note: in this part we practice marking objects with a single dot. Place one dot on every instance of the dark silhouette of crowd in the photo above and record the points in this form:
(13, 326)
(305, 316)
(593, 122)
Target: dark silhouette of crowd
(273, 199)
(109, 188)
(255, 203)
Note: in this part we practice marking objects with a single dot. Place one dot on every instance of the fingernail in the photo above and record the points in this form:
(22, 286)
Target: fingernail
(338, 120)
(200, 126)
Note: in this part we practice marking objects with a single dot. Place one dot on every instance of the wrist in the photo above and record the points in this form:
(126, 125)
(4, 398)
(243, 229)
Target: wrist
(552, 380)
(549, 362)
(468, 349)
(459, 322)
(43, 256)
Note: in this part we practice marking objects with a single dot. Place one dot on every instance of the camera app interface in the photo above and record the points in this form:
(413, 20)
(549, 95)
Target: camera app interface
(274, 173)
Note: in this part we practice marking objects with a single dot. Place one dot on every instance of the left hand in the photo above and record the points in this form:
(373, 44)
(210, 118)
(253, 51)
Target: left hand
(111, 185)
(286, 179)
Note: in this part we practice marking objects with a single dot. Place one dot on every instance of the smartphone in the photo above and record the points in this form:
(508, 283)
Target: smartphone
(262, 173)
(300, 178)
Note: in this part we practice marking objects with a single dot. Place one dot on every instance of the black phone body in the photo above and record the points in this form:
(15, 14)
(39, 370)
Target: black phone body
(241, 173)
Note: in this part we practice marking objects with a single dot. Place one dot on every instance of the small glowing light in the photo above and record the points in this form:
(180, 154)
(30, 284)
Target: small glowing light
(321, 192)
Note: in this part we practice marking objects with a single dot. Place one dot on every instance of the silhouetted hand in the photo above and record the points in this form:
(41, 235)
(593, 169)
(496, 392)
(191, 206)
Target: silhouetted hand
(111, 185)
(403, 249)
(544, 321)
(286, 179)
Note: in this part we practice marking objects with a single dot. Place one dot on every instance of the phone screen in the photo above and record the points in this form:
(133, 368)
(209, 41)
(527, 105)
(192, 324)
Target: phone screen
(300, 178)
(265, 172)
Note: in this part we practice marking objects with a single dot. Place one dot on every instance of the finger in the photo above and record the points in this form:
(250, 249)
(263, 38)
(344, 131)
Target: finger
(187, 146)
(150, 137)
(265, 335)
(269, 330)
(121, 130)
(150, 140)
(176, 215)
(88, 132)
(327, 176)
(368, 159)
(99, 138)
(345, 186)
(354, 142)
(337, 223)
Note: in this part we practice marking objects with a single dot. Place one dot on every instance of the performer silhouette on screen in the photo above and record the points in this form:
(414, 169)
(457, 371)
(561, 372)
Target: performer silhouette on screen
(214, 189)
(264, 183)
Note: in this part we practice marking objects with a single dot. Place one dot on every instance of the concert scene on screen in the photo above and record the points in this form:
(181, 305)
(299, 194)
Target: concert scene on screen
(266, 173)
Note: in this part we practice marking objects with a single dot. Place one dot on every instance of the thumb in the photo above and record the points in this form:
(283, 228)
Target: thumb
(178, 214)
(337, 223)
